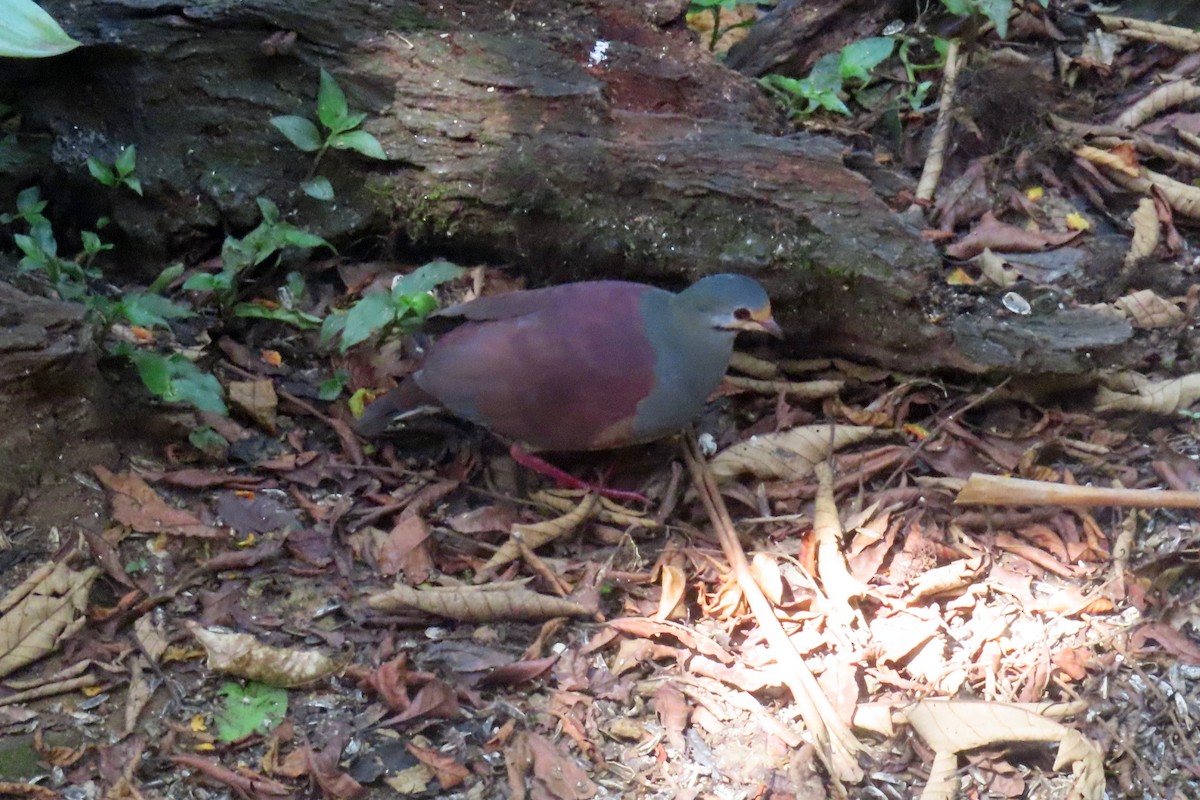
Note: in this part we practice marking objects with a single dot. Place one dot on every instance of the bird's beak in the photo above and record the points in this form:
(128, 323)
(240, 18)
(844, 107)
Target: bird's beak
(761, 320)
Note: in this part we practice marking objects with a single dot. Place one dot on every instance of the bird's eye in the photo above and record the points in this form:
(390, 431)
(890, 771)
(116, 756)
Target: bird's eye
(742, 314)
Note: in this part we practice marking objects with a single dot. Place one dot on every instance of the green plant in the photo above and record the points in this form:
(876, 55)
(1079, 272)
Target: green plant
(269, 239)
(918, 90)
(285, 310)
(174, 379)
(995, 10)
(255, 707)
(715, 7)
(120, 172)
(825, 83)
(340, 125)
(398, 311)
(29, 32)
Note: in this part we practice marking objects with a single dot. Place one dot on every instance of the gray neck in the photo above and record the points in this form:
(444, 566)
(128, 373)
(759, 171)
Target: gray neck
(692, 357)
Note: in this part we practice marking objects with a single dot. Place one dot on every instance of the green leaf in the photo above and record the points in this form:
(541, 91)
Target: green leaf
(368, 316)
(207, 438)
(426, 278)
(201, 282)
(997, 11)
(296, 237)
(959, 8)
(29, 32)
(153, 369)
(359, 142)
(126, 162)
(150, 310)
(299, 131)
(859, 58)
(331, 388)
(289, 316)
(332, 327)
(349, 122)
(826, 74)
(101, 171)
(166, 277)
(268, 209)
(29, 202)
(331, 102)
(134, 184)
(92, 244)
(318, 188)
(253, 708)
(191, 385)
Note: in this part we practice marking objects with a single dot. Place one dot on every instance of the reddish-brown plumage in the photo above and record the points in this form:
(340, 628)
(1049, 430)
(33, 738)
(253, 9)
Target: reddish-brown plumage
(548, 367)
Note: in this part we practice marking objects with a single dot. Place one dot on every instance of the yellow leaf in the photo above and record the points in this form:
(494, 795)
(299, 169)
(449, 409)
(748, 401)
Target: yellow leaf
(1035, 193)
(1077, 222)
(959, 278)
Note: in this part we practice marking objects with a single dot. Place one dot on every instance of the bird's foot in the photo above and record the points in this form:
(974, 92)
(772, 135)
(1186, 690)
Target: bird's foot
(566, 480)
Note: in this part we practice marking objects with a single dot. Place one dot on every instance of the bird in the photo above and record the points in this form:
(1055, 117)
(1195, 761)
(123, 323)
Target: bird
(591, 365)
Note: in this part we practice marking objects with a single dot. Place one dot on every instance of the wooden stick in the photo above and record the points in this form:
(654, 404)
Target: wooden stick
(832, 738)
(994, 490)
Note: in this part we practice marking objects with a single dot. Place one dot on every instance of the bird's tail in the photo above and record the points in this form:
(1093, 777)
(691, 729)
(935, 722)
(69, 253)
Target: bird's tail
(404, 401)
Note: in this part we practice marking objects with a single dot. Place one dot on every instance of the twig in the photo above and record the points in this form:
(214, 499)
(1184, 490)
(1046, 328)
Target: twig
(832, 738)
(932, 171)
(994, 490)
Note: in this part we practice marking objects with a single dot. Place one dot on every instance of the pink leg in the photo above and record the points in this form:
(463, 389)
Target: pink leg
(565, 480)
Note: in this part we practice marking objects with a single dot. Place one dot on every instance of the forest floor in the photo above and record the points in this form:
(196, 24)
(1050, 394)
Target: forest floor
(299, 613)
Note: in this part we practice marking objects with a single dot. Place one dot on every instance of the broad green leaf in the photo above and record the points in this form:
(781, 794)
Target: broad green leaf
(190, 384)
(151, 310)
(332, 327)
(299, 131)
(859, 58)
(426, 278)
(268, 209)
(997, 11)
(126, 162)
(134, 184)
(289, 316)
(101, 171)
(368, 316)
(152, 368)
(318, 188)
(207, 438)
(300, 238)
(201, 282)
(29, 32)
(254, 708)
(331, 388)
(959, 8)
(359, 142)
(331, 102)
(166, 277)
(348, 122)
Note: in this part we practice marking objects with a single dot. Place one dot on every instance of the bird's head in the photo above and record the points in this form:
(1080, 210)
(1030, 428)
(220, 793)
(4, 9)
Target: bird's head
(732, 302)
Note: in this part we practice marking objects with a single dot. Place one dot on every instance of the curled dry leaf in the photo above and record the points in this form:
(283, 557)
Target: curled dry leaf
(674, 586)
(608, 511)
(1155, 397)
(478, 603)
(540, 533)
(996, 269)
(1167, 96)
(41, 613)
(1173, 36)
(950, 727)
(1146, 230)
(1182, 197)
(1145, 309)
(243, 655)
(789, 455)
(991, 233)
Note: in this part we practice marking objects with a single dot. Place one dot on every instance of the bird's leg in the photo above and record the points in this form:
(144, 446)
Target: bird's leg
(566, 480)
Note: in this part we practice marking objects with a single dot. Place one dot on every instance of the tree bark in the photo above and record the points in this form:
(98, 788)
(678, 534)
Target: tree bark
(572, 139)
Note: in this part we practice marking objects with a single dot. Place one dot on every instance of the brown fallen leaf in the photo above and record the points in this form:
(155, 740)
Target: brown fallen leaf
(478, 603)
(993, 234)
(243, 655)
(41, 613)
(257, 399)
(538, 534)
(137, 505)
